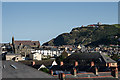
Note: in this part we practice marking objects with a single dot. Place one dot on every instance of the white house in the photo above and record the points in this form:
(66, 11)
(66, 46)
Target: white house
(35, 56)
(51, 53)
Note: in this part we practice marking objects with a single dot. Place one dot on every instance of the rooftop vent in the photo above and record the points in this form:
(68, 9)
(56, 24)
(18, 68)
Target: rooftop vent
(13, 66)
(3, 66)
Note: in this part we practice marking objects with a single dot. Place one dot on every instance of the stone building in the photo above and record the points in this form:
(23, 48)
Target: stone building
(24, 47)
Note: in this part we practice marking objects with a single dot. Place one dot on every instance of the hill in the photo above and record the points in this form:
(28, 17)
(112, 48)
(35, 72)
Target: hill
(92, 36)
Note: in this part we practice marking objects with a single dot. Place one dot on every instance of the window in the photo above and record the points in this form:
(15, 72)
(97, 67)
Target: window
(113, 64)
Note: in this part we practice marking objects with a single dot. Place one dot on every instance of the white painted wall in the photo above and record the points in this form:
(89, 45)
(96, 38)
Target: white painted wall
(35, 56)
(47, 52)
(54, 63)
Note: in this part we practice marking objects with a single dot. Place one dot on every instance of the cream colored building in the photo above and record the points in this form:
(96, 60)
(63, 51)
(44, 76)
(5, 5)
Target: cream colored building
(11, 56)
(35, 56)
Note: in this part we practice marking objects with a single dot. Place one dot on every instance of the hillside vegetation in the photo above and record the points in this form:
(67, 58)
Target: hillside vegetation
(92, 36)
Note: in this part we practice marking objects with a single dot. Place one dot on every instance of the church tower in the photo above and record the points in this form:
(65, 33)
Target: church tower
(13, 44)
(13, 40)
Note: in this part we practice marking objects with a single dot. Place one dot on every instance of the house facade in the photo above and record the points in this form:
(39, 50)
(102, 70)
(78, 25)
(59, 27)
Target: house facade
(51, 53)
(35, 56)
(15, 57)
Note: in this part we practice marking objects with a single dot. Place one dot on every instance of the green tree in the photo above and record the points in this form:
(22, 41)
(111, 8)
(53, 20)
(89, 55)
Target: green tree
(45, 70)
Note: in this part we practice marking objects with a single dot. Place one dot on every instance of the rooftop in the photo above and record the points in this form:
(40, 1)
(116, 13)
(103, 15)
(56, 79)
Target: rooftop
(90, 76)
(27, 42)
(18, 70)
(88, 57)
(107, 59)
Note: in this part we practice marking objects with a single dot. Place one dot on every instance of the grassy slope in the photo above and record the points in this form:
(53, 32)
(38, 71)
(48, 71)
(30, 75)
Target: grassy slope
(104, 34)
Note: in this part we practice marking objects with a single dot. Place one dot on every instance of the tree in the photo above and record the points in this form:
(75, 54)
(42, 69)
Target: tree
(45, 70)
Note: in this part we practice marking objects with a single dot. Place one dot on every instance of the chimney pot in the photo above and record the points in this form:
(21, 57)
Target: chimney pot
(96, 71)
(76, 63)
(109, 65)
(74, 72)
(92, 64)
(61, 63)
(33, 63)
(62, 76)
(51, 72)
(114, 72)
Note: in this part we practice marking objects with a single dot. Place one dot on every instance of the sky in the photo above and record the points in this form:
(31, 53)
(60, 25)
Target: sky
(60, 0)
(44, 21)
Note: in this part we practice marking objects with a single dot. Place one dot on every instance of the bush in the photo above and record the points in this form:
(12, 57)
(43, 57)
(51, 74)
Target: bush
(45, 70)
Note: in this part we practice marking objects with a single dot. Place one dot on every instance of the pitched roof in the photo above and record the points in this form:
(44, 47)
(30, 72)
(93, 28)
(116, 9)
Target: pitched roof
(22, 71)
(82, 56)
(107, 59)
(37, 65)
(88, 57)
(26, 42)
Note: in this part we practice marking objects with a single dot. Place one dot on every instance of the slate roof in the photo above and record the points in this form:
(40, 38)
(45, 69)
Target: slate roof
(12, 54)
(22, 71)
(107, 59)
(37, 65)
(90, 76)
(27, 42)
(84, 62)
(86, 58)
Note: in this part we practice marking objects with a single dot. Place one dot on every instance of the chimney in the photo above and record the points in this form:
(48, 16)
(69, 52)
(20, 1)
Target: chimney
(74, 72)
(76, 63)
(62, 76)
(116, 72)
(92, 64)
(33, 63)
(106, 64)
(96, 71)
(51, 72)
(109, 65)
(61, 63)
